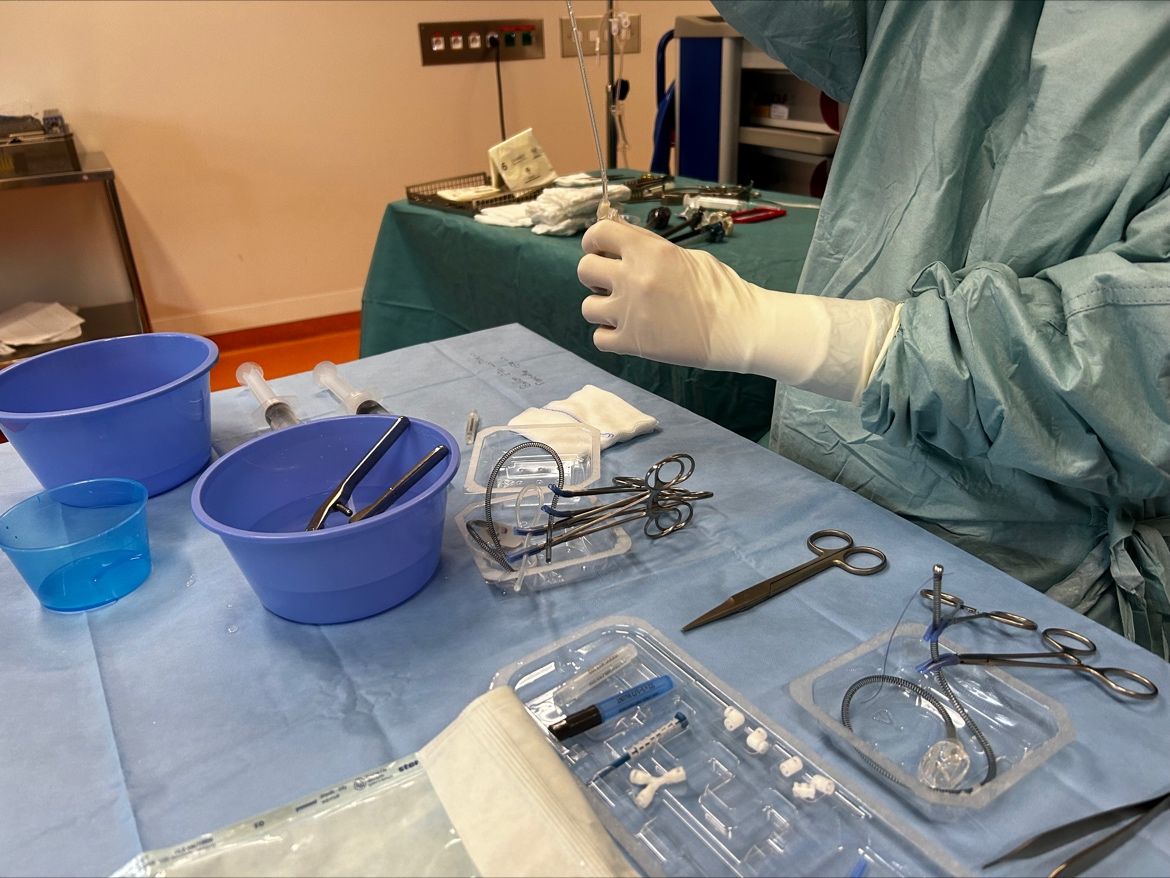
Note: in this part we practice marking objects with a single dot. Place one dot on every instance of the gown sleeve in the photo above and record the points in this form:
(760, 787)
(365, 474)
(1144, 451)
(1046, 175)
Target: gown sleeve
(1064, 375)
(821, 41)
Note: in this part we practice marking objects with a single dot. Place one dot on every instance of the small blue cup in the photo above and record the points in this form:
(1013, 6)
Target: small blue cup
(82, 545)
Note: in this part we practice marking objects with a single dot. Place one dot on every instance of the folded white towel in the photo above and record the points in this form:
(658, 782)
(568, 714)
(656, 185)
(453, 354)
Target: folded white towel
(611, 415)
(511, 215)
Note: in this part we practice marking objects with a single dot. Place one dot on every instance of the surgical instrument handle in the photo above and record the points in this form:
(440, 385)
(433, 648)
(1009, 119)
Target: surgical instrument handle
(356, 402)
(825, 559)
(277, 412)
(1071, 654)
(334, 502)
(404, 484)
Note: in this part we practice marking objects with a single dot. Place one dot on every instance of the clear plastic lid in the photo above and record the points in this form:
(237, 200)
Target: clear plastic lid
(578, 445)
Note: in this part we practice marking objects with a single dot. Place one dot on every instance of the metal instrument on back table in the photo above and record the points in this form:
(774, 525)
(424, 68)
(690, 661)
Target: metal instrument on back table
(826, 557)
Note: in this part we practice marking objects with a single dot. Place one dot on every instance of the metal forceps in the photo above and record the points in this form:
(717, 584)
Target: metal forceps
(960, 606)
(826, 557)
(1068, 647)
(665, 507)
(339, 498)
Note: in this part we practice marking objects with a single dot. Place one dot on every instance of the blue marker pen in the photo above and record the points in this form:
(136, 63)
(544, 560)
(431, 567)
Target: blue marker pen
(596, 714)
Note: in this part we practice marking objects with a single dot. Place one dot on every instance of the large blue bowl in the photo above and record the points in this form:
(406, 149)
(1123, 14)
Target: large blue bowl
(136, 407)
(260, 496)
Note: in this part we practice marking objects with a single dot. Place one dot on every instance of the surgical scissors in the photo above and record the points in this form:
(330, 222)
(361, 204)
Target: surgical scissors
(826, 556)
(1069, 656)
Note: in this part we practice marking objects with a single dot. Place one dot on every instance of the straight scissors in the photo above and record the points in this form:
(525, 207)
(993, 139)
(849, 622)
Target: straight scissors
(1065, 647)
(826, 556)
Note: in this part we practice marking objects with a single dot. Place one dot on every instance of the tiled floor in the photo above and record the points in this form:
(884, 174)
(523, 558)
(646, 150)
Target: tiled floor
(286, 349)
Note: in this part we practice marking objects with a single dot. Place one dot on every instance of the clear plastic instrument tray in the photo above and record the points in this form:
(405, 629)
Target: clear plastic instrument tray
(578, 445)
(578, 559)
(736, 813)
(893, 728)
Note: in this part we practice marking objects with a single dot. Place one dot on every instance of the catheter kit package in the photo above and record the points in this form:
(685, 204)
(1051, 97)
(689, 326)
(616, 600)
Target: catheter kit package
(893, 729)
(724, 791)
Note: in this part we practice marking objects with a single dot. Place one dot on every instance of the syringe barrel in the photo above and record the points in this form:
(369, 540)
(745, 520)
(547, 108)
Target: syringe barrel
(328, 377)
(252, 376)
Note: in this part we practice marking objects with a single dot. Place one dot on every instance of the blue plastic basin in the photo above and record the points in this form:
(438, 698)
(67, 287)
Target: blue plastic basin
(136, 407)
(260, 496)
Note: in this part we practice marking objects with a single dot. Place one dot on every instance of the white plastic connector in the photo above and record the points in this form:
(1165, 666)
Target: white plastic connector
(732, 718)
(823, 785)
(805, 791)
(791, 766)
(757, 741)
(640, 777)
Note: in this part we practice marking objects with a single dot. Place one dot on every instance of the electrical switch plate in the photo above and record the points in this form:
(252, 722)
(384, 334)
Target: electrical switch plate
(466, 42)
(591, 30)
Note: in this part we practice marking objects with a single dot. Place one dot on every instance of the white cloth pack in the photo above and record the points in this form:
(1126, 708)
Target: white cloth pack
(487, 796)
(612, 416)
(556, 211)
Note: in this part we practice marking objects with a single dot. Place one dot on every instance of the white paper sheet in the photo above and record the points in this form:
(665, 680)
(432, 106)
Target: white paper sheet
(38, 322)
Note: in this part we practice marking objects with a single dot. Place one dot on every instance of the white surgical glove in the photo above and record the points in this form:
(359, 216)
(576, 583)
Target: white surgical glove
(677, 305)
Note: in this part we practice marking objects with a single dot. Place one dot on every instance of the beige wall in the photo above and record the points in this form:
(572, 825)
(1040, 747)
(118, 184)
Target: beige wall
(257, 143)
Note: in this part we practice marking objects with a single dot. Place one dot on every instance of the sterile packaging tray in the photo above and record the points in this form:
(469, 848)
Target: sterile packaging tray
(425, 194)
(583, 558)
(736, 813)
(519, 489)
(893, 728)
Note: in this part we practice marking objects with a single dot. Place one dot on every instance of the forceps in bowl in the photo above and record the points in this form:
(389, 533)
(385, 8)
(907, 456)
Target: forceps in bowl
(1065, 650)
(826, 556)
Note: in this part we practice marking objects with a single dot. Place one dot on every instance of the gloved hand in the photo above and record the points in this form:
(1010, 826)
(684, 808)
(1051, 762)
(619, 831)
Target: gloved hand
(677, 305)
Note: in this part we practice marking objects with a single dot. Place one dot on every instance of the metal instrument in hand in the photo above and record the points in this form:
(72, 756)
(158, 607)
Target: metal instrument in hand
(1066, 647)
(963, 612)
(660, 502)
(338, 499)
(826, 557)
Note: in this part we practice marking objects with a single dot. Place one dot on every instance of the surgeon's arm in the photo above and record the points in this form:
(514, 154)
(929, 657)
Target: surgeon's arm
(1065, 375)
(679, 305)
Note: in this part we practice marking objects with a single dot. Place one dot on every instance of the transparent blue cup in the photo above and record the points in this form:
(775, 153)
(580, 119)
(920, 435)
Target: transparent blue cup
(82, 545)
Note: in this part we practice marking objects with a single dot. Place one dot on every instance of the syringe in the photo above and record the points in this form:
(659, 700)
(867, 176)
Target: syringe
(678, 723)
(277, 412)
(356, 402)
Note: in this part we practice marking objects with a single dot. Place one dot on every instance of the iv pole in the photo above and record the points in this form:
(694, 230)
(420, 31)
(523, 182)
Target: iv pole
(610, 128)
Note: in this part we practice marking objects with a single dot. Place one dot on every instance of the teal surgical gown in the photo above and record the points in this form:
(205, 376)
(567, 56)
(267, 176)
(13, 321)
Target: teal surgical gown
(1004, 171)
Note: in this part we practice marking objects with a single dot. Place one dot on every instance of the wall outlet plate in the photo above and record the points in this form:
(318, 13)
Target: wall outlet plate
(466, 42)
(592, 30)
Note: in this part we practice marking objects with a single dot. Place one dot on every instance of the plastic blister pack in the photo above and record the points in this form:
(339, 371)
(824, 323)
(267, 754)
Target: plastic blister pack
(899, 735)
(519, 490)
(710, 786)
(577, 559)
(578, 445)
